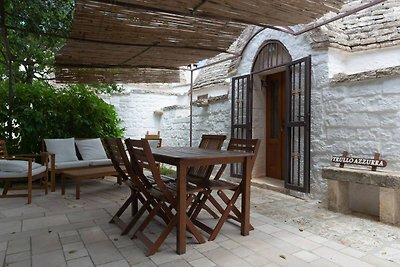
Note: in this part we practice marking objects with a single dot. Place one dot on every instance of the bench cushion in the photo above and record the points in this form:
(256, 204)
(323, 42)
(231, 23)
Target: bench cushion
(99, 162)
(91, 149)
(22, 174)
(72, 164)
(64, 149)
(16, 165)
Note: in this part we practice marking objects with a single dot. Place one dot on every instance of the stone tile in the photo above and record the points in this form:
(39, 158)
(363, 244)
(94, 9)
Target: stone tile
(81, 262)
(296, 240)
(229, 244)
(334, 245)
(147, 263)
(283, 245)
(202, 262)
(192, 255)
(70, 239)
(353, 252)
(268, 228)
(10, 227)
(120, 263)
(281, 258)
(19, 245)
(103, 252)
(74, 250)
(323, 262)
(120, 241)
(257, 260)
(375, 261)
(45, 243)
(3, 246)
(26, 263)
(68, 233)
(49, 259)
(177, 263)
(133, 254)
(92, 234)
(224, 258)
(20, 256)
(2, 256)
(85, 215)
(242, 252)
(306, 256)
(44, 222)
(339, 258)
(165, 256)
(26, 209)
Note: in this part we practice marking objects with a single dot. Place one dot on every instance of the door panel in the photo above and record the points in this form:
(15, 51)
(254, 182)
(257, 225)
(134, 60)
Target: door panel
(297, 127)
(275, 114)
(242, 113)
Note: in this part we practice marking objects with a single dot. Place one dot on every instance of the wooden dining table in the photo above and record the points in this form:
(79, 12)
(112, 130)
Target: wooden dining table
(184, 157)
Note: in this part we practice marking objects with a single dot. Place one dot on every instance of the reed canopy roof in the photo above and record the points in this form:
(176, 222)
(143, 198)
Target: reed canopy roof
(150, 41)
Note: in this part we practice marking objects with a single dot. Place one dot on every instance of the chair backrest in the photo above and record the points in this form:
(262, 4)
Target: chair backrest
(246, 145)
(142, 159)
(155, 140)
(116, 152)
(208, 141)
(212, 141)
(3, 149)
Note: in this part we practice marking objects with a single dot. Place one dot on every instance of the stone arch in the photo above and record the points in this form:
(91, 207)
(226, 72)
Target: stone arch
(271, 54)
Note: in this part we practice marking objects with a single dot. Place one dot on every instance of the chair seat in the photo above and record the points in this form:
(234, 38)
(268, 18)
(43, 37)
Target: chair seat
(23, 174)
(221, 185)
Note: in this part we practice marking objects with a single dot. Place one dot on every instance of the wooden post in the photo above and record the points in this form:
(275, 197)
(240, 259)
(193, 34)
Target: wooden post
(344, 154)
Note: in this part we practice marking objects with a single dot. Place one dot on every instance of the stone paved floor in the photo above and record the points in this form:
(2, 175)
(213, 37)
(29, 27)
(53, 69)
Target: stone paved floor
(60, 231)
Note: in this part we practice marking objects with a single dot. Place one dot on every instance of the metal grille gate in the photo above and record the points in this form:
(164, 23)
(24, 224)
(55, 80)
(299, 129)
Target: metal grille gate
(242, 107)
(297, 126)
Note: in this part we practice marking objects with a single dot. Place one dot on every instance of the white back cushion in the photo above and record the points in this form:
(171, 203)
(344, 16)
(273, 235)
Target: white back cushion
(16, 165)
(91, 149)
(64, 149)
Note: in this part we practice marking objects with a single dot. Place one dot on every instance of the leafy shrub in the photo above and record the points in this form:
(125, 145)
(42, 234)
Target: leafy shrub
(42, 111)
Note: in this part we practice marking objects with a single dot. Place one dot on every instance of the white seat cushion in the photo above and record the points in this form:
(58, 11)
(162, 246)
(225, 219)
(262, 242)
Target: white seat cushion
(16, 165)
(91, 149)
(23, 174)
(72, 164)
(98, 162)
(64, 149)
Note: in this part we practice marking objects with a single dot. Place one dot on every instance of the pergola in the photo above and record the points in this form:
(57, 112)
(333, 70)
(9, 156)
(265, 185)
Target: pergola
(150, 41)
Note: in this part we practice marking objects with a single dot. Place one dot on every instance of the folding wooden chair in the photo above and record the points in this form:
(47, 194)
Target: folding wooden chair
(117, 154)
(247, 145)
(155, 140)
(198, 175)
(22, 167)
(162, 193)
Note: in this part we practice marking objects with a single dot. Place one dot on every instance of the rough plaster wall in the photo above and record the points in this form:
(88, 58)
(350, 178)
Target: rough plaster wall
(136, 109)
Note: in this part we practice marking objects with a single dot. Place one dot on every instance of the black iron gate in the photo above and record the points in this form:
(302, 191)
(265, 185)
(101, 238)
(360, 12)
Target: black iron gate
(242, 116)
(297, 126)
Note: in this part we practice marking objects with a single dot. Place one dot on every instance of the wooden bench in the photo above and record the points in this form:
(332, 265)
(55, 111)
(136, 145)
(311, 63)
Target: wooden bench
(339, 180)
(82, 174)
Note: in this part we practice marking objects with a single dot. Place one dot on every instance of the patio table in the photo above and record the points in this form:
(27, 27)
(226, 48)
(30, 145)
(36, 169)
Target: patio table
(184, 157)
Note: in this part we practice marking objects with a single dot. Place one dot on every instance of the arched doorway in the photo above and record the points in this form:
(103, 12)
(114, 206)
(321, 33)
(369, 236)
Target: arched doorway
(272, 103)
(269, 72)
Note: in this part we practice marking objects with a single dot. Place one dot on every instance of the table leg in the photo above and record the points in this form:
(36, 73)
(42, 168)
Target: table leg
(181, 209)
(78, 188)
(62, 184)
(245, 223)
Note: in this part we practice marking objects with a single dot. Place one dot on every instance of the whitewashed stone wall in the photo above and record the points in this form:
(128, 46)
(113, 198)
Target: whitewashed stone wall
(361, 117)
(141, 110)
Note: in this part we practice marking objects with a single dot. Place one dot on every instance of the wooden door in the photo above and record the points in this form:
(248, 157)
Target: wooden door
(275, 121)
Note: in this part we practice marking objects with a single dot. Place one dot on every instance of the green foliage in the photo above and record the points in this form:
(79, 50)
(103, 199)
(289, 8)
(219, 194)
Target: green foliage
(30, 49)
(42, 111)
(167, 170)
